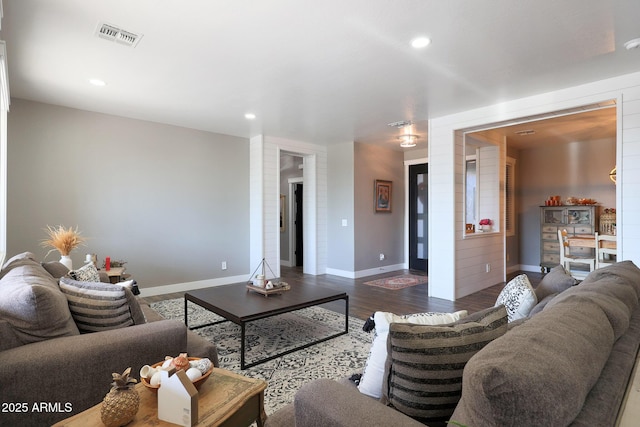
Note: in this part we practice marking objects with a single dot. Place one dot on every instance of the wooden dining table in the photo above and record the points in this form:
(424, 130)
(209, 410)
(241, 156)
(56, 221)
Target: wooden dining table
(589, 241)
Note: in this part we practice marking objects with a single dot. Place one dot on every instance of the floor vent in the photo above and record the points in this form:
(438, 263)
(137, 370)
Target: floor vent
(118, 35)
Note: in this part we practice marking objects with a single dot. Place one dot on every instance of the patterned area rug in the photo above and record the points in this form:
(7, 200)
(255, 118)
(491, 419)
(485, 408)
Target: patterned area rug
(399, 282)
(336, 358)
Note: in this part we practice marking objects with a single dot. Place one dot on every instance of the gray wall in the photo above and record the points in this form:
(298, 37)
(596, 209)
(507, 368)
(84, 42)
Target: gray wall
(340, 187)
(171, 201)
(578, 169)
(377, 233)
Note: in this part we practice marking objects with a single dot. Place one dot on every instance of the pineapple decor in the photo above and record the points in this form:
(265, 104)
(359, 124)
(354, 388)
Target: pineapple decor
(121, 404)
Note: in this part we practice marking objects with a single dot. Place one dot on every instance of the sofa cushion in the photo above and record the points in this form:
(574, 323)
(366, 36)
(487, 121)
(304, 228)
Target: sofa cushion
(25, 258)
(423, 378)
(32, 303)
(623, 271)
(86, 273)
(540, 373)
(542, 304)
(8, 338)
(518, 297)
(555, 281)
(616, 299)
(371, 381)
(56, 269)
(97, 306)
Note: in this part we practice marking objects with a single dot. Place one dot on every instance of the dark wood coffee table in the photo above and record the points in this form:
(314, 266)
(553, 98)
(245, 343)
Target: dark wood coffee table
(240, 306)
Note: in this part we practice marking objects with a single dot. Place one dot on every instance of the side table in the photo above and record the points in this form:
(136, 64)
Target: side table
(115, 274)
(225, 399)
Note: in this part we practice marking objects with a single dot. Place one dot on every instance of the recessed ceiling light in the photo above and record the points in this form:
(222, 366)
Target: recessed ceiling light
(632, 44)
(249, 116)
(97, 82)
(420, 42)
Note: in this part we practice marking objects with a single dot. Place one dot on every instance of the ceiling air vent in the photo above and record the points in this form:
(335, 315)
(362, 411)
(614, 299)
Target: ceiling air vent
(116, 34)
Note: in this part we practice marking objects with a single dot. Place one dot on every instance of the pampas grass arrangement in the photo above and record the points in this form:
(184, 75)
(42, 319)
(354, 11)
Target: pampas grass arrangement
(64, 240)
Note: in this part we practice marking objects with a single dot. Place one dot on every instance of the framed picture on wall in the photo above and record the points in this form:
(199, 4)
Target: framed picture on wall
(382, 195)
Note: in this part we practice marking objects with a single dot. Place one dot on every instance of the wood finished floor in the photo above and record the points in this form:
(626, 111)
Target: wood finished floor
(365, 299)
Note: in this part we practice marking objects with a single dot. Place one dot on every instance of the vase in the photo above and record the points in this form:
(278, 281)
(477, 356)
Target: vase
(66, 261)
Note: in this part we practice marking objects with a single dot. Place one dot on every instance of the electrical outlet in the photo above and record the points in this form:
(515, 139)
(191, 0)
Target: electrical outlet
(488, 267)
(381, 257)
(224, 265)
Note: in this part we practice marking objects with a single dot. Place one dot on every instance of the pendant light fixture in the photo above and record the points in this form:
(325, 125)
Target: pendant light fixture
(408, 140)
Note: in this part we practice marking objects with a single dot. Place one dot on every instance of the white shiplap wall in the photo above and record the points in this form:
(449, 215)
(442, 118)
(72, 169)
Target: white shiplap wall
(449, 275)
(265, 202)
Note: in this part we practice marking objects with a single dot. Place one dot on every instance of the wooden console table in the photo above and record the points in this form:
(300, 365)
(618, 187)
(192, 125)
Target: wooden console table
(225, 399)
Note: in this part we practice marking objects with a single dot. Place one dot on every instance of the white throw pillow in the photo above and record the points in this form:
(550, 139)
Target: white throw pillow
(519, 297)
(371, 381)
(86, 273)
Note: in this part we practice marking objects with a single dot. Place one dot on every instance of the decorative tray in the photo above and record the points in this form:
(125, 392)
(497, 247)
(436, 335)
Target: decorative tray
(197, 383)
(283, 287)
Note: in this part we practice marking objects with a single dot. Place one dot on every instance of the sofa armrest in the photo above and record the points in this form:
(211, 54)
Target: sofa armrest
(75, 372)
(327, 403)
(196, 345)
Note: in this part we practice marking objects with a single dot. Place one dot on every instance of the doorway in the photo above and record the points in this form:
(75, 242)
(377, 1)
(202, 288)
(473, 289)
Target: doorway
(418, 217)
(298, 241)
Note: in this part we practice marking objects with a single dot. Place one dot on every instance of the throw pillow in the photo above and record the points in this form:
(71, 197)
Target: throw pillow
(518, 297)
(33, 305)
(87, 273)
(371, 381)
(555, 281)
(97, 306)
(423, 376)
(55, 269)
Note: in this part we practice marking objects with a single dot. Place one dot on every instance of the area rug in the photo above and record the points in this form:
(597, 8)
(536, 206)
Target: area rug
(399, 282)
(336, 358)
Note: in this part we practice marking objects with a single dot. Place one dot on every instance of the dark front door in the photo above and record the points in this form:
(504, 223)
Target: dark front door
(418, 252)
(298, 208)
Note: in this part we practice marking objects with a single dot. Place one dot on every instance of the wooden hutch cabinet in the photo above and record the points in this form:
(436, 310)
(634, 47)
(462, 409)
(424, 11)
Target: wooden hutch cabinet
(579, 219)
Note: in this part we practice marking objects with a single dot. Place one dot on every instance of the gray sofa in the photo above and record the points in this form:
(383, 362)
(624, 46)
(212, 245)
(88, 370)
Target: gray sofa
(48, 370)
(567, 364)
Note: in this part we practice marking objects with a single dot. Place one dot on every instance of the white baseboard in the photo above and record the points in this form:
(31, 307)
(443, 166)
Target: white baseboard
(285, 263)
(532, 268)
(189, 286)
(341, 273)
(366, 273)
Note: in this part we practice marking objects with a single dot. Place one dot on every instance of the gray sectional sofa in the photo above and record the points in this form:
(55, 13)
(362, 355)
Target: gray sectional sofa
(48, 369)
(567, 364)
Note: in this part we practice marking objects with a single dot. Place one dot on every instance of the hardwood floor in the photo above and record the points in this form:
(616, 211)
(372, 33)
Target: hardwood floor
(365, 299)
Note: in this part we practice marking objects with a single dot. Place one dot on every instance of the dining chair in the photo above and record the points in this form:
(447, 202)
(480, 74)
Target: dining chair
(567, 258)
(605, 255)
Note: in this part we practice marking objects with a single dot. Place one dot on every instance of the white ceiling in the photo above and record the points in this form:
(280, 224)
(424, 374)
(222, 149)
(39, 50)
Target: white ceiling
(325, 72)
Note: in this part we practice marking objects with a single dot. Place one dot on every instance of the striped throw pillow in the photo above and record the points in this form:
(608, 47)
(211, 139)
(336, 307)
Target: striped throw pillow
(423, 376)
(96, 306)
